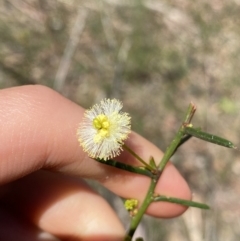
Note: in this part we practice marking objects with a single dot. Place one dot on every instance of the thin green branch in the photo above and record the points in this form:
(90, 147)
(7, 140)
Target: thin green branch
(196, 132)
(190, 113)
(137, 218)
(162, 198)
(184, 139)
(169, 152)
(177, 140)
(137, 157)
(125, 167)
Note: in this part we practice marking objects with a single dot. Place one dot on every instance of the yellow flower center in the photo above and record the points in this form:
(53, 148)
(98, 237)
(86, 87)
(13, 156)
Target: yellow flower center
(102, 124)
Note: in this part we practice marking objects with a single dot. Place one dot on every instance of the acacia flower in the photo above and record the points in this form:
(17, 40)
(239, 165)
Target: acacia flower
(103, 129)
(130, 204)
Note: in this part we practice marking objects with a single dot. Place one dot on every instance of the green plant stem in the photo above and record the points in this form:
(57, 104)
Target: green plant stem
(125, 167)
(190, 113)
(188, 203)
(137, 218)
(177, 140)
(171, 149)
(137, 157)
(150, 194)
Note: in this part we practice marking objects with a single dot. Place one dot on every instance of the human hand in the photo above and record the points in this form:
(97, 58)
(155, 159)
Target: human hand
(41, 165)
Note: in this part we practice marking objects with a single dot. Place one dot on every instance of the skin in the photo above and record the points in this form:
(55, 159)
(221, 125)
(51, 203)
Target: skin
(42, 164)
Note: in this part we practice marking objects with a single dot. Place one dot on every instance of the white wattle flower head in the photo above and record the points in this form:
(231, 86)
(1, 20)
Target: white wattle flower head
(103, 129)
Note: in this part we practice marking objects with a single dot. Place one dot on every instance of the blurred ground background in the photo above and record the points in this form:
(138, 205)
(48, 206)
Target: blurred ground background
(155, 56)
